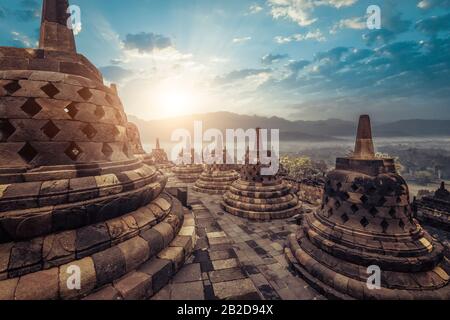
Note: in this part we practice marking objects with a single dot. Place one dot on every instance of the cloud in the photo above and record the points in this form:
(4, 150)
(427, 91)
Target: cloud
(434, 25)
(115, 74)
(21, 40)
(357, 23)
(392, 24)
(146, 42)
(430, 4)
(240, 74)
(268, 59)
(255, 8)
(300, 11)
(242, 40)
(30, 10)
(310, 35)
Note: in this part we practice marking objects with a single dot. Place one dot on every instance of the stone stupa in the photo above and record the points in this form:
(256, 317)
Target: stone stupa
(366, 220)
(160, 157)
(260, 197)
(136, 144)
(72, 194)
(188, 172)
(217, 177)
(435, 210)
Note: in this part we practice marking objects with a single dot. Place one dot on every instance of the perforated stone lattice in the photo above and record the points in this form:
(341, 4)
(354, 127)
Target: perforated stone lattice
(31, 107)
(6, 130)
(50, 129)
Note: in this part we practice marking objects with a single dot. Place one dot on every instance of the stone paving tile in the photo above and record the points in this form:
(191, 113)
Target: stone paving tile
(259, 250)
(191, 272)
(235, 258)
(187, 291)
(225, 264)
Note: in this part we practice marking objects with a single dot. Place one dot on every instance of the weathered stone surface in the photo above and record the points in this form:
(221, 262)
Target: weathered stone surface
(134, 286)
(88, 278)
(160, 271)
(135, 251)
(109, 265)
(41, 285)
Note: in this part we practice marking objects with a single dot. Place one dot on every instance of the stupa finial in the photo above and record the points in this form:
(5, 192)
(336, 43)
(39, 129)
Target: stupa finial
(364, 144)
(55, 35)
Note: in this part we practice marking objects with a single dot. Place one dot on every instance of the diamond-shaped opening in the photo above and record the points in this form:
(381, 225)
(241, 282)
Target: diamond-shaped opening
(330, 212)
(125, 149)
(73, 151)
(392, 212)
(85, 93)
(50, 90)
(109, 99)
(364, 199)
(99, 112)
(89, 131)
(326, 199)
(6, 130)
(371, 190)
(50, 129)
(354, 187)
(115, 131)
(381, 201)
(345, 196)
(364, 222)
(384, 225)
(344, 218)
(373, 211)
(337, 204)
(28, 153)
(12, 87)
(118, 116)
(339, 185)
(71, 110)
(31, 107)
(107, 150)
(401, 224)
(354, 208)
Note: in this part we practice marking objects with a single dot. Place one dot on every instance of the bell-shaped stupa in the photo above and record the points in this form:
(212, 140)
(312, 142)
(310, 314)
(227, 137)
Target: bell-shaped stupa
(188, 172)
(73, 197)
(217, 177)
(435, 210)
(260, 197)
(136, 145)
(160, 157)
(365, 231)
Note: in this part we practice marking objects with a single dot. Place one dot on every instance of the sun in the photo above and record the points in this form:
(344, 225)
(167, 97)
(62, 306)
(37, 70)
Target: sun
(175, 99)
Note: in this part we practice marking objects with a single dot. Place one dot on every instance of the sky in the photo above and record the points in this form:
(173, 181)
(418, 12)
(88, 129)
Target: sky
(296, 59)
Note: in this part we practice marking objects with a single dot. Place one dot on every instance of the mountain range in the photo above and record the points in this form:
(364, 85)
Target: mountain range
(310, 131)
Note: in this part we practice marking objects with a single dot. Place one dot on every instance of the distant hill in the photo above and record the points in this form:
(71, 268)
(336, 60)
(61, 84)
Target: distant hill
(308, 131)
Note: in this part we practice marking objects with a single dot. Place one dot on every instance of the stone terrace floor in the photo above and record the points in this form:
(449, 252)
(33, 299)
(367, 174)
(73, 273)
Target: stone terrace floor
(236, 259)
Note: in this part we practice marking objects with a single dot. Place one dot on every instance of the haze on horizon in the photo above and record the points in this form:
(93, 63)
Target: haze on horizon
(295, 59)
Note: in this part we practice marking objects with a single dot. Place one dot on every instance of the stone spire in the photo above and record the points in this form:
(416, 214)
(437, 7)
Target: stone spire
(157, 143)
(55, 35)
(364, 144)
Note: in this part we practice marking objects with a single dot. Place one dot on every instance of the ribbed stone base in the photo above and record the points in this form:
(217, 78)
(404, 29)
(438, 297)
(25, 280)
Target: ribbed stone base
(215, 182)
(337, 278)
(130, 257)
(259, 201)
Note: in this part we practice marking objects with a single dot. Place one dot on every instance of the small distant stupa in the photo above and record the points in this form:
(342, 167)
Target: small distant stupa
(160, 157)
(435, 210)
(217, 177)
(366, 220)
(260, 197)
(188, 172)
(136, 145)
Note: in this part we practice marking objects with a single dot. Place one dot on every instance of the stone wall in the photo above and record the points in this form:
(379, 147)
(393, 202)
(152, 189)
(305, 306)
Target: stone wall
(308, 190)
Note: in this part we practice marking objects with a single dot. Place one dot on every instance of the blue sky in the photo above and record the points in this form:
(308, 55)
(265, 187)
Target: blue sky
(298, 59)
